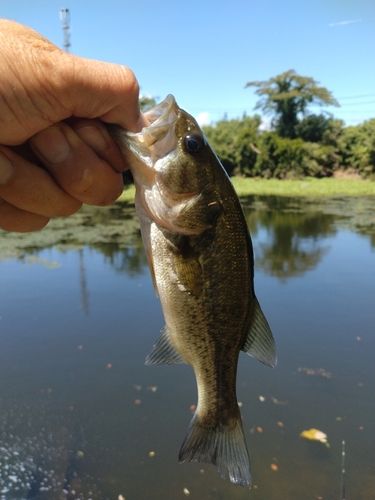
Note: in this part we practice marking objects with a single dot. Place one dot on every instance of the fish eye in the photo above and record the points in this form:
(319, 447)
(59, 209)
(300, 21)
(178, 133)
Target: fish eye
(194, 144)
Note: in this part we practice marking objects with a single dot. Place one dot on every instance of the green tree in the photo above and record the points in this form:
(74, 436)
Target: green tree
(235, 143)
(280, 157)
(321, 160)
(312, 128)
(321, 135)
(287, 96)
(146, 103)
(357, 148)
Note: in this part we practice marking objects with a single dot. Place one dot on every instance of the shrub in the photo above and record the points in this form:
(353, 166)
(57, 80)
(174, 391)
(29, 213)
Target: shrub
(280, 157)
(234, 142)
(357, 148)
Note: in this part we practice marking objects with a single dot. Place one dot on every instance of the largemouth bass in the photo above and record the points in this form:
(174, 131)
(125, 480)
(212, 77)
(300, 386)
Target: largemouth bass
(201, 260)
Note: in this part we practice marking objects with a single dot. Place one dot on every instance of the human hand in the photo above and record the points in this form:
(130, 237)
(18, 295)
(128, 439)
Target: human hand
(51, 161)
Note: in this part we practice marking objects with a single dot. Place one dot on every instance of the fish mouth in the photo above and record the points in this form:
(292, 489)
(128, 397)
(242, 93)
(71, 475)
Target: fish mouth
(157, 139)
(161, 118)
(159, 112)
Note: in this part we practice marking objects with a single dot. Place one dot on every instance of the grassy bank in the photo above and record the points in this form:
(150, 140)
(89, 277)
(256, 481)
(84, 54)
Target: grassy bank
(303, 187)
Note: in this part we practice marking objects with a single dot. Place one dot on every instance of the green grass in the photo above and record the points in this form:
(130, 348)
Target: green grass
(303, 187)
(127, 194)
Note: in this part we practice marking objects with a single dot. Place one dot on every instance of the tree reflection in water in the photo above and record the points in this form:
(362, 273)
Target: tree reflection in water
(287, 233)
(291, 243)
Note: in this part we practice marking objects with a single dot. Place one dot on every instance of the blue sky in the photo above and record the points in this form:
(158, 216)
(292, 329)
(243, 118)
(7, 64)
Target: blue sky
(203, 52)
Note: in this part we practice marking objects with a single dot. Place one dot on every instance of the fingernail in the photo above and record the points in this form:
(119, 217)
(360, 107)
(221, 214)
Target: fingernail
(52, 145)
(6, 169)
(93, 138)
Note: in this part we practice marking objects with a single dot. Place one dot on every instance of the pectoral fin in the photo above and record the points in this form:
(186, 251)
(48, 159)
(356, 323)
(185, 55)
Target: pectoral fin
(163, 352)
(260, 342)
(186, 264)
(198, 213)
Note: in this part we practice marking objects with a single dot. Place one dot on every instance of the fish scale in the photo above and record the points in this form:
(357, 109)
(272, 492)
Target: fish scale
(201, 260)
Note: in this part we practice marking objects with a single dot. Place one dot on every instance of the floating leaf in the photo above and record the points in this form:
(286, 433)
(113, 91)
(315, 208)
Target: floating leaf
(276, 401)
(316, 371)
(315, 435)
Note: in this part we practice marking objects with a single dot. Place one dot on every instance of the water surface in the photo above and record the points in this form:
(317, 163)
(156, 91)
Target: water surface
(82, 417)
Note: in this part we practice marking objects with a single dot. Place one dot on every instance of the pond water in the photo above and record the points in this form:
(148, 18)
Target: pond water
(82, 417)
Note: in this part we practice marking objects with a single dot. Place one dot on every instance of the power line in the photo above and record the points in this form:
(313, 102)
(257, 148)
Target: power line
(232, 111)
(217, 113)
(356, 96)
(242, 110)
(358, 103)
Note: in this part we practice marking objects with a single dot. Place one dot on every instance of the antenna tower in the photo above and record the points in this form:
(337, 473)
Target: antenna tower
(65, 18)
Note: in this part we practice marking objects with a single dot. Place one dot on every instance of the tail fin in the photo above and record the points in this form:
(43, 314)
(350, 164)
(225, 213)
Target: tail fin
(223, 446)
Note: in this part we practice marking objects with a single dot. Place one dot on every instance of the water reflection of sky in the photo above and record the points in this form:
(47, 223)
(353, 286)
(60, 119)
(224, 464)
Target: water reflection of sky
(78, 405)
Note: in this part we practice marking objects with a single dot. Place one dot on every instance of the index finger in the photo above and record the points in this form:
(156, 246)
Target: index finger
(95, 134)
(110, 92)
(76, 167)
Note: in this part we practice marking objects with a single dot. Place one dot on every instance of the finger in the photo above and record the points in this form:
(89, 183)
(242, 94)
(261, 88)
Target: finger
(15, 219)
(102, 90)
(95, 135)
(54, 85)
(76, 167)
(31, 188)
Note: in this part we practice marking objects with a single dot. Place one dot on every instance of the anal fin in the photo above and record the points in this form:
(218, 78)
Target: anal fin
(260, 342)
(164, 352)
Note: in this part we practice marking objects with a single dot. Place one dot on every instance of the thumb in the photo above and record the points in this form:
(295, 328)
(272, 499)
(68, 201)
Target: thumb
(96, 89)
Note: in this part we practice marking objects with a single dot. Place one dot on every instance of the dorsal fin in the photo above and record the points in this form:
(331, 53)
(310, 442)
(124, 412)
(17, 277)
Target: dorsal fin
(260, 342)
(163, 352)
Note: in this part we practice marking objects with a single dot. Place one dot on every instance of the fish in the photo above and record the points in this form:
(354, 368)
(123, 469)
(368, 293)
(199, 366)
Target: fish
(201, 260)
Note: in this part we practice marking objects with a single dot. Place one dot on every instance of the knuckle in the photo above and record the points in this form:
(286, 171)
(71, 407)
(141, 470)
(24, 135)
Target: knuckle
(131, 82)
(68, 209)
(97, 187)
(110, 198)
(15, 220)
